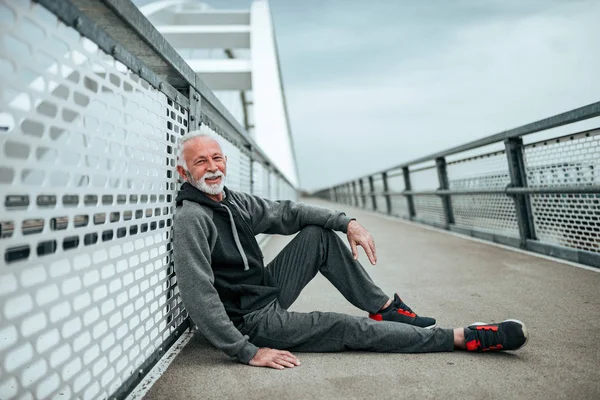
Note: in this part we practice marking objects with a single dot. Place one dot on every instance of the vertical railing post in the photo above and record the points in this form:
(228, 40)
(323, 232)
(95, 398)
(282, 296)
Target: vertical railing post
(268, 174)
(354, 194)
(195, 110)
(409, 197)
(518, 178)
(372, 191)
(349, 193)
(388, 200)
(442, 172)
(362, 192)
(335, 194)
(251, 161)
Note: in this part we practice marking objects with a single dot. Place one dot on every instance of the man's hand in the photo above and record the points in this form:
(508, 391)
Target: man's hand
(278, 359)
(358, 235)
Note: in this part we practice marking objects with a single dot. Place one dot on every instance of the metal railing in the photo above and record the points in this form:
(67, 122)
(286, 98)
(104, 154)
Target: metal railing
(542, 196)
(93, 100)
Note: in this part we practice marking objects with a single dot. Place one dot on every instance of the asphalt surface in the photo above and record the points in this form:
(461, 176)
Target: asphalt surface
(455, 280)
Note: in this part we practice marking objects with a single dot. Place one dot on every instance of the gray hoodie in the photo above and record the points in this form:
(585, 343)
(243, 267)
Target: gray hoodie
(219, 265)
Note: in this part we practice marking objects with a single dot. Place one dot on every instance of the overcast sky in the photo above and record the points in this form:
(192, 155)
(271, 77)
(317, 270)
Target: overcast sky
(371, 84)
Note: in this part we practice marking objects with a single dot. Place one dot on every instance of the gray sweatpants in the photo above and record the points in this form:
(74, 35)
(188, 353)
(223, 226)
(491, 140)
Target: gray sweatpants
(314, 250)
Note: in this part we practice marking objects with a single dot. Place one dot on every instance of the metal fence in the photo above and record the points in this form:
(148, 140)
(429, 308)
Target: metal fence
(89, 124)
(542, 196)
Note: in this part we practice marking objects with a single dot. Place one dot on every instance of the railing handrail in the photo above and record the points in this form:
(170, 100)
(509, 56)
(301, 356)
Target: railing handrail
(578, 114)
(130, 37)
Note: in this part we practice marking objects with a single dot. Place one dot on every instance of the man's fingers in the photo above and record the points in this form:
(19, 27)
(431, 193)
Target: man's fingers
(273, 364)
(373, 250)
(290, 357)
(370, 254)
(354, 250)
(292, 360)
(285, 363)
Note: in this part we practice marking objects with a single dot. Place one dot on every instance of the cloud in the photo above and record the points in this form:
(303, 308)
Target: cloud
(482, 77)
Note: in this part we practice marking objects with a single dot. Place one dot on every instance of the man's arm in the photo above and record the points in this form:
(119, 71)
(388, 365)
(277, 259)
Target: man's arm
(286, 217)
(194, 236)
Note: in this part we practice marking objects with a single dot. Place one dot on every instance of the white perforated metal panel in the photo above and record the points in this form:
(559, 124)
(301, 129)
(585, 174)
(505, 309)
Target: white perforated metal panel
(488, 171)
(273, 186)
(571, 220)
(245, 173)
(400, 206)
(260, 179)
(396, 184)
(571, 160)
(378, 188)
(493, 213)
(368, 200)
(346, 194)
(429, 208)
(87, 176)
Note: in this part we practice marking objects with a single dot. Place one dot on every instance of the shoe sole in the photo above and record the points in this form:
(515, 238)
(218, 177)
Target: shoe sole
(523, 328)
(431, 326)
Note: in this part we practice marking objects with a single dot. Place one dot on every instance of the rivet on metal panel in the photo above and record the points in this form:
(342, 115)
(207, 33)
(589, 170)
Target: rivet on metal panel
(141, 372)
(161, 86)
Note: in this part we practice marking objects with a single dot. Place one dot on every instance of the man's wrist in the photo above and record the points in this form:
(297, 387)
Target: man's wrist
(247, 353)
(347, 221)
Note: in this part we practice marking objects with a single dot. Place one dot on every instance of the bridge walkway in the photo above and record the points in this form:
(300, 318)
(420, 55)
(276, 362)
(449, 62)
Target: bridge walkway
(458, 281)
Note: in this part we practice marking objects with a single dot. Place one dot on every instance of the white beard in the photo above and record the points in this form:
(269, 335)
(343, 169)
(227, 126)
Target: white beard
(204, 187)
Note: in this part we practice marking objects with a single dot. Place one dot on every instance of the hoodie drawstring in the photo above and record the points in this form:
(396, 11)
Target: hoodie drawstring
(237, 238)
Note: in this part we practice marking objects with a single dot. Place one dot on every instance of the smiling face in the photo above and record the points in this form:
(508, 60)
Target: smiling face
(206, 166)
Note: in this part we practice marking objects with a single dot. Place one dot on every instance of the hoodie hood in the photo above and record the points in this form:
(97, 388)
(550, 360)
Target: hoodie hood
(191, 193)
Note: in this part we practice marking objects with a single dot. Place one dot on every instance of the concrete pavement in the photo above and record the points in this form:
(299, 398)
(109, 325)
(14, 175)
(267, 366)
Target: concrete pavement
(456, 280)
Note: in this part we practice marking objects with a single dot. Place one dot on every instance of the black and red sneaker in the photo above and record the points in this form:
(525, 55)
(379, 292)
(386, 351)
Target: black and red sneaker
(400, 312)
(507, 335)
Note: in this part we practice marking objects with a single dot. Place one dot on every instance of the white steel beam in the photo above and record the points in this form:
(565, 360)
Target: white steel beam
(225, 74)
(195, 18)
(212, 17)
(207, 36)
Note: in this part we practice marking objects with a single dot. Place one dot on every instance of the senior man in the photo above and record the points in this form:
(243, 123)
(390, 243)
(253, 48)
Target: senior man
(241, 306)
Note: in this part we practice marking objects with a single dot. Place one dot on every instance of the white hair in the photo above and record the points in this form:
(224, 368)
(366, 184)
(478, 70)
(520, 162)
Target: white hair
(204, 131)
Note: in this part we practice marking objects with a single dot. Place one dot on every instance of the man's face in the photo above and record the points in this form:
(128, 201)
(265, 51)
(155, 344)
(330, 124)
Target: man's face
(206, 165)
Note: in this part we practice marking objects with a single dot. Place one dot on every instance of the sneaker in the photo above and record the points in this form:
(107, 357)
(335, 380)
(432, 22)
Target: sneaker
(400, 312)
(507, 335)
